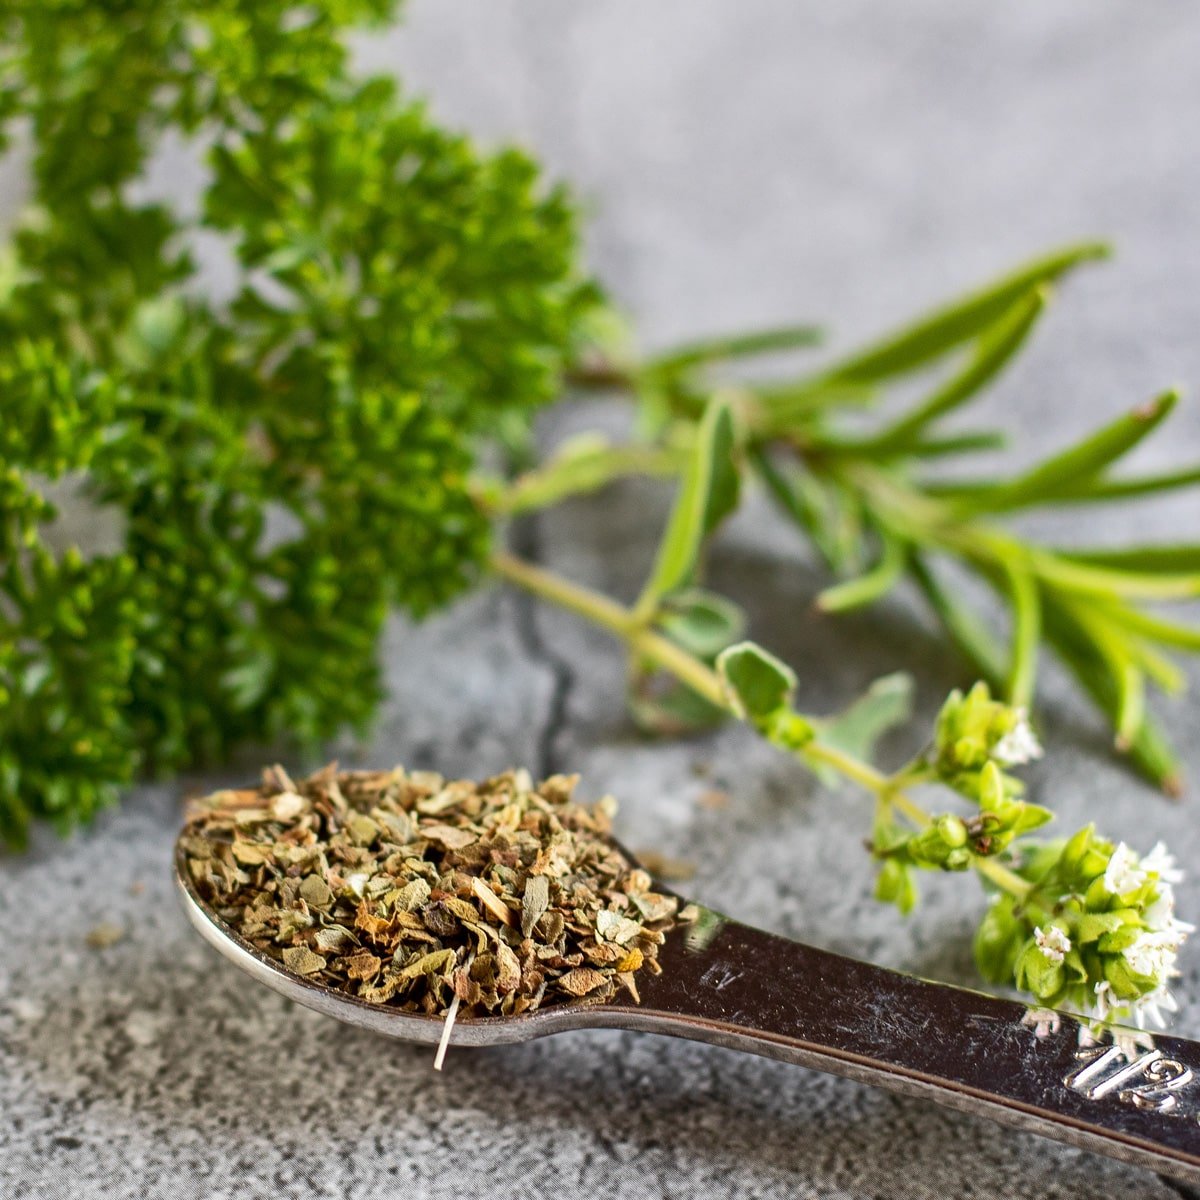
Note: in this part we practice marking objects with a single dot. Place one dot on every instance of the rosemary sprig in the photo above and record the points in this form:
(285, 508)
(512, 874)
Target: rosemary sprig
(879, 513)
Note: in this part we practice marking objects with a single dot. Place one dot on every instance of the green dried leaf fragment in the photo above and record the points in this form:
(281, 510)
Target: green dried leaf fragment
(614, 927)
(252, 853)
(335, 939)
(508, 969)
(315, 891)
(301, 960)
(581, 981)
(436, 962)
(363, 966)
(536, 901)
(413, 896)
(448, 836)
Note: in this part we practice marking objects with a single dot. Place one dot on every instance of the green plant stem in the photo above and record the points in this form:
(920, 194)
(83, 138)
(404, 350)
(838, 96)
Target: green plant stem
(615, 618)
(704, 681)
(559, 479)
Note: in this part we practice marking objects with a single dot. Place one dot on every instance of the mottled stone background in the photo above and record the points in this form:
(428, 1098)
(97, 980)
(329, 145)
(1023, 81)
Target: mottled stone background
(747, 163)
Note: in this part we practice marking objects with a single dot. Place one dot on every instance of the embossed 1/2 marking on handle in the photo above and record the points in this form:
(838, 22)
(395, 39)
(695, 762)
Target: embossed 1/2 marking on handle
(1164, 1077)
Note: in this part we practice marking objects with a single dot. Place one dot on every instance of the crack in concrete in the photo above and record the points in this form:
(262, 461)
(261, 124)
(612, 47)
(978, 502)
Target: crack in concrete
(526, 541)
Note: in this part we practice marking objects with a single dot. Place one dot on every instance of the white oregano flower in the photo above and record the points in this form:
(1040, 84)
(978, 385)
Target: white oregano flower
(1123, 874)
(1053, 943)
(1162, 863)
(1153, 954)
(1159, 914)
(1104, 1002)
(1019, 745)
(1151, 1008)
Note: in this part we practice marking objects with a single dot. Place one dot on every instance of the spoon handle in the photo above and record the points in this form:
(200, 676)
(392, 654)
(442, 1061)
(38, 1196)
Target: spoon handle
(739, 987)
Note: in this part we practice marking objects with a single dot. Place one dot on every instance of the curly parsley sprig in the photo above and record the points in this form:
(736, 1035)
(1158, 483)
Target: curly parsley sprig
(283, 466)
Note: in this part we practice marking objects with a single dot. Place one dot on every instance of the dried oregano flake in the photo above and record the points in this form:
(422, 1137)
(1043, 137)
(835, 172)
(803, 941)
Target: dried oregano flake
(410, 890)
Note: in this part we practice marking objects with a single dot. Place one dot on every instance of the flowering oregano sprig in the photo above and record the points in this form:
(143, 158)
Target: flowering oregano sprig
(1095, 933)
(676, 631)
(974, 730)
(1085, 924)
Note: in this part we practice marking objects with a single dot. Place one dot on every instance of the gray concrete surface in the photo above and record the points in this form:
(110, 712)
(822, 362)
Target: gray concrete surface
(747, 163)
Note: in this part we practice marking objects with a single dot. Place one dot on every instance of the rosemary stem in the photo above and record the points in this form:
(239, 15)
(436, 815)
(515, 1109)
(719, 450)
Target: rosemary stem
(704, 681)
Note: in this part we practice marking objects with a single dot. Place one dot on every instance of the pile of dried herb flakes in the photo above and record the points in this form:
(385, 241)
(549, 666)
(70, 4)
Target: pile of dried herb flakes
(409, 890)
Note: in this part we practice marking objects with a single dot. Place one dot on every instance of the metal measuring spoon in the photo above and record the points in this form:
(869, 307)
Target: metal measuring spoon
(735, 986)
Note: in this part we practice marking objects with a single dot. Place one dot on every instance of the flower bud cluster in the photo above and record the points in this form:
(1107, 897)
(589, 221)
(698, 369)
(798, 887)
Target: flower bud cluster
(951, 842)
(974, 731)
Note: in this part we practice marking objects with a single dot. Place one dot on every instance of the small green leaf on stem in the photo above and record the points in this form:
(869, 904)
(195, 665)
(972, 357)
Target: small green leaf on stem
(996, 349)
(756, 683)
(818, 506)
(960, 443)
(663, 707)
(885, 705)
(948, 328)
(876, 583)
(702, 622)
(709, 492)
(1148, 749)
(1077, 465)
(1156, 629)
(1105, 490)
(719, 349)
(1167, 559)
(972, 637)
(581, 465)
(1026, 633)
